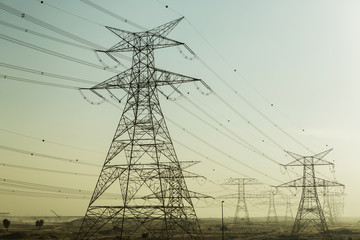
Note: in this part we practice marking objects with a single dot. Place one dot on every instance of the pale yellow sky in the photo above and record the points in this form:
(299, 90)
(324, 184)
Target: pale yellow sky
(296, 68)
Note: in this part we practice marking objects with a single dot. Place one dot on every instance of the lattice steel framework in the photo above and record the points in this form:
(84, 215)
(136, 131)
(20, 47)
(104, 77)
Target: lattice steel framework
(328, 207)
(155, 201)
(241, 212)
(331, 206)
(310, 212)
(272, 216)
(289, 217)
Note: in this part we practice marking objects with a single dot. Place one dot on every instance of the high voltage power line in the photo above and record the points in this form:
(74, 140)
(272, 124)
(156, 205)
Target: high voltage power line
(53, 53)
(26, 30)
(42, 73)
(49, 84)
(44, 189)
(35, 21)
(228, 133)
(227, 155)
(218, 76)
(72, 161)
(46, 170)
(27, 152)
(39, 22)
(36, 154)
(242, 77)
(53, 28)
(47, 141)
(184, 145)
(71, 87)
(63, 86)
(74, 37)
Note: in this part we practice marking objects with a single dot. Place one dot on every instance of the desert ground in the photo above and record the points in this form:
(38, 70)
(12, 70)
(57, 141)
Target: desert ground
(66, 228)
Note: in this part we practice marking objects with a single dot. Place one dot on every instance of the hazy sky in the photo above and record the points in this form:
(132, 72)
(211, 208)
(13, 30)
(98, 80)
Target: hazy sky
(284, 76)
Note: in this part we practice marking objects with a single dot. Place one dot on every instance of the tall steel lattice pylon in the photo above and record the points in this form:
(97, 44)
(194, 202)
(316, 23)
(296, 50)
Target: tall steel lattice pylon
(155, 202)
(241, 212)
(272, 216)
(289, 217)
(310, 213)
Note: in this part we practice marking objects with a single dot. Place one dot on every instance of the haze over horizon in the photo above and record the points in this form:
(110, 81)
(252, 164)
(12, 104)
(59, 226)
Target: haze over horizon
(284, 76)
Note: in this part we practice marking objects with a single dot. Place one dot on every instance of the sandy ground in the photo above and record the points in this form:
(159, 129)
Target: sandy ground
(67, 230)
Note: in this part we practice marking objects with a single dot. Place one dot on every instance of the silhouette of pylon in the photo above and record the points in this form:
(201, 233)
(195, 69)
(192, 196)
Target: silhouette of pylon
(328, 207)
(272, 216)
(289, 217)
(155, 201)
(310, 213)
(241, 211)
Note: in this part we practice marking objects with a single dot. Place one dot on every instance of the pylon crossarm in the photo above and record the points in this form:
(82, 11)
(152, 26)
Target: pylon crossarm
(183, 164)
(157, 38)
(319, 182)
(187, 164)
(129, 44)
(165, 29)
(247, 181)
(191, 195)
(188, 174)
(164, 77)
(228, 196)
(322, 154)
(307, 160)
(247, 195)
(294, 183)
(123, 34)
(121, 80)
(199, 195)
(162, 42)
(294, 155)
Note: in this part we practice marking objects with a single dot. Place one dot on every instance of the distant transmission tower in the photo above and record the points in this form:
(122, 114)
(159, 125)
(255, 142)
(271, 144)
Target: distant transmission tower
(289, 217)
(328, 207)
(241, 212)
(272, 216)
(331, 206)
(155, 202)
(310, 213)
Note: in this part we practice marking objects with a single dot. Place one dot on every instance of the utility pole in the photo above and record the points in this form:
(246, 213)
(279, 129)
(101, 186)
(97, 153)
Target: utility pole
(222, 220)
(155, 199)
(310, 212)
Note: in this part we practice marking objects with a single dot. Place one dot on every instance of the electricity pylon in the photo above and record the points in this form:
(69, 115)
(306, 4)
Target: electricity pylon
(310, 212)
(289, 217)
(272, 216)
(155, 201)
(241, 212)
(330, 206)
